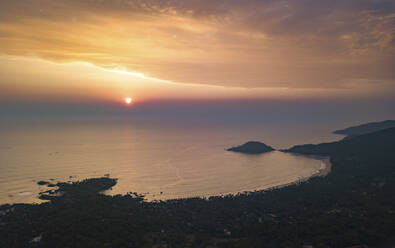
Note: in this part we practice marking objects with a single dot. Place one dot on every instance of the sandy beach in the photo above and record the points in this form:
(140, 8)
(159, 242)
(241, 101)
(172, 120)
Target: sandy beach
(324, 170)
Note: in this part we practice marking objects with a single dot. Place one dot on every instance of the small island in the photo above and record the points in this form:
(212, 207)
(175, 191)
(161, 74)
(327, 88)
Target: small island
(252, 147)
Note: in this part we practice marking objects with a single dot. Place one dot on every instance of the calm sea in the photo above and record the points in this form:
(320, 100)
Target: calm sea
(162, 160)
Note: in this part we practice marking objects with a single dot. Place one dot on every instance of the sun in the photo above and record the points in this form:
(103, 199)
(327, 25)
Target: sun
(128, 100)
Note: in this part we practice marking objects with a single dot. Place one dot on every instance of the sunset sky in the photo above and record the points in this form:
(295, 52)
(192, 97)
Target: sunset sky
(106, 50)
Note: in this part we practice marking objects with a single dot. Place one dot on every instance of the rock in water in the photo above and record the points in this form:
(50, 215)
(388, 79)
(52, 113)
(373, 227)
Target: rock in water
(252, 147)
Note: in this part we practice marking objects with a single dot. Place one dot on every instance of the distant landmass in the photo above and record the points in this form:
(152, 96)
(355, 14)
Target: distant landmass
(252, 147)
(379, 143)
(365, 128)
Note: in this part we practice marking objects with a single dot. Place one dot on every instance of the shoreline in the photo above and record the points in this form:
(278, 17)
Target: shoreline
(324, 170)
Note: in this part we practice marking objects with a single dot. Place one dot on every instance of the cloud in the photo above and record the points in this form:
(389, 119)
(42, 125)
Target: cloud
(249, 43)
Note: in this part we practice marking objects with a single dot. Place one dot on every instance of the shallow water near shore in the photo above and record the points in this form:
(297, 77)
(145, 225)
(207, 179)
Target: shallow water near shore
(161, 162)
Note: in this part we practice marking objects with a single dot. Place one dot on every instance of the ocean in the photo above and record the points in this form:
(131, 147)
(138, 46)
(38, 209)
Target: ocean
(160, 159)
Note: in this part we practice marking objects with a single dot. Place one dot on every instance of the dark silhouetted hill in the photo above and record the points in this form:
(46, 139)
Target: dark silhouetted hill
(365, 128)
(252, 147)
(378, 143)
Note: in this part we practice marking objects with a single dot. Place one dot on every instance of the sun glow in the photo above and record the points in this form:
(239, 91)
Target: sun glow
(126, 72)
(128, 100)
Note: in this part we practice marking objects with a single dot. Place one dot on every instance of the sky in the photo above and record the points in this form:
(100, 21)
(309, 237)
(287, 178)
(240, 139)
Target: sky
(101, 51)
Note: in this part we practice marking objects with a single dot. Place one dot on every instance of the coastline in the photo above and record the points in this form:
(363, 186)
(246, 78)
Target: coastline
(324, 170)
(300, 215)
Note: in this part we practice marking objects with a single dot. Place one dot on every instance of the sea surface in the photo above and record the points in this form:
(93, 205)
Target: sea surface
(161, 160)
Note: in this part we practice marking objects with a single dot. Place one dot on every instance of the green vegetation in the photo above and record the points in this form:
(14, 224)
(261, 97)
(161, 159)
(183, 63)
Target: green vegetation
(353, 205)
(252, 147)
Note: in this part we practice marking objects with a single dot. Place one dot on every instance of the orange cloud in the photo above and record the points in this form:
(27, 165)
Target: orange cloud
(245, 44)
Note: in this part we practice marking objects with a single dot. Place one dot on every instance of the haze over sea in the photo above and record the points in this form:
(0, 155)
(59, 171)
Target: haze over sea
(163, 153)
